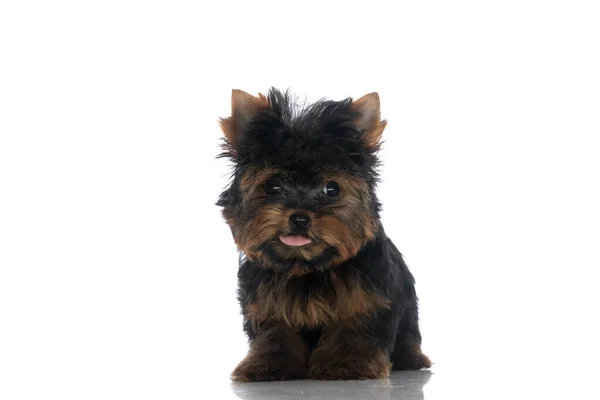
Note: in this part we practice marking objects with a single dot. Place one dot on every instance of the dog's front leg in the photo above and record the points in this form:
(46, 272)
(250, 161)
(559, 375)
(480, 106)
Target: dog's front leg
(346, 351)
(276, 353)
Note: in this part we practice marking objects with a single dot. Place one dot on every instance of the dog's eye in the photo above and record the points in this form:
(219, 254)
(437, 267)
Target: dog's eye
(272, 187)
(331, 189)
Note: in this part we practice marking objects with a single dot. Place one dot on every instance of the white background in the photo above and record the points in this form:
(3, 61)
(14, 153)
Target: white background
(117, 275)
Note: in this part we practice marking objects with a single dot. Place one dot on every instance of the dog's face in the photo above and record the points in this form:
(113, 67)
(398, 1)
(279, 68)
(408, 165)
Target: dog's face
(302, 195)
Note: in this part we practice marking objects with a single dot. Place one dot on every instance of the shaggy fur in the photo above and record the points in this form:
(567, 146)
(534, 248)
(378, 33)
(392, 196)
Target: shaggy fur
(344, 305)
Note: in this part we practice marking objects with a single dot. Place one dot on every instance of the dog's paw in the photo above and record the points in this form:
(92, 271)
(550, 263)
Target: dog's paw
(253, 370)
(351, 368)
(409, 357)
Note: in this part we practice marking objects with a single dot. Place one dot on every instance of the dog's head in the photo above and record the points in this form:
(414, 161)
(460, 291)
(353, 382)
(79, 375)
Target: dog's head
(302, 194)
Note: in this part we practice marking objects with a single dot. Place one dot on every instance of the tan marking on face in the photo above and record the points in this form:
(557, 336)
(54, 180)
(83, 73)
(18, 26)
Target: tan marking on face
(254, 178)
(346, 225)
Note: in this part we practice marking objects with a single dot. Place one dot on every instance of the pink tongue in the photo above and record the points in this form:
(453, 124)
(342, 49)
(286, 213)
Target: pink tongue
(294, 240)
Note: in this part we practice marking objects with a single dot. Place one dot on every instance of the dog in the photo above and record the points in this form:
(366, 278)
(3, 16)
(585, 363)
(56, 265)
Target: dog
(324, 293)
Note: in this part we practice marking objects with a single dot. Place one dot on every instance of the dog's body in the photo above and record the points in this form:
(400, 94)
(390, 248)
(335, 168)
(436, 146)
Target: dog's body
(324, 292)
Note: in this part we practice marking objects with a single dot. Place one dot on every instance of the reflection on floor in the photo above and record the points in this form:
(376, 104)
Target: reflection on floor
(406, 385)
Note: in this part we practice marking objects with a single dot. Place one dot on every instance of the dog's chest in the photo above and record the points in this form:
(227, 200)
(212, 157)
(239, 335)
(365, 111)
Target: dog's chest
(312, 300)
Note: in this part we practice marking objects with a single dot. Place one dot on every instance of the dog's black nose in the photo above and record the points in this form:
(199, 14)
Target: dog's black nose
(301, 221)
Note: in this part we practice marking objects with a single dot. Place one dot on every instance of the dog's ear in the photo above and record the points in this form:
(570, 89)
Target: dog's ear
(244, 107)
(368, 119)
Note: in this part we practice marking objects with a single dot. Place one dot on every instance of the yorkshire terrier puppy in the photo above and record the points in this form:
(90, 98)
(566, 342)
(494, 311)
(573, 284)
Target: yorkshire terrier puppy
(325, 294)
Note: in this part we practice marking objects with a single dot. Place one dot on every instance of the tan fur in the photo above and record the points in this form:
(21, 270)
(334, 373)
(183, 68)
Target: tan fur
(244, 108)
(254, 178)
(410, 357)
(368, 118)
(350, 224)
(262, 228)
(335, 362)
(346, 300)
(347, 225)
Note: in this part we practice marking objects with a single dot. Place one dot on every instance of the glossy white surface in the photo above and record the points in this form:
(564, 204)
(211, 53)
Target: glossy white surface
(118, 276)
(401, 385)
(489, 382)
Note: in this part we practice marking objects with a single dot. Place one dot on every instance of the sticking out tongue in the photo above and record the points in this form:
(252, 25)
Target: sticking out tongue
(294, 240)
